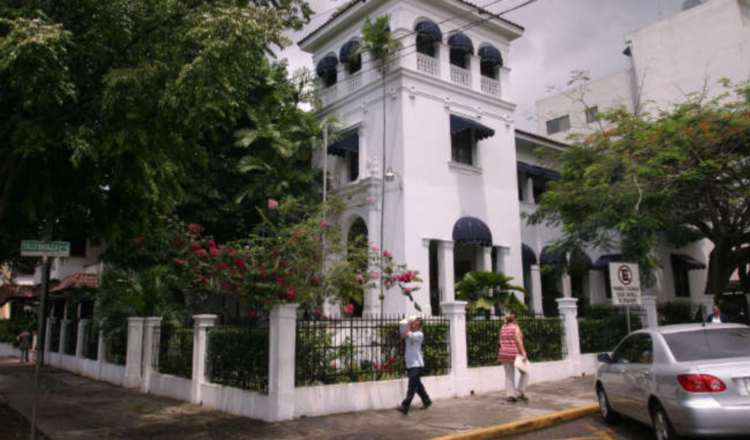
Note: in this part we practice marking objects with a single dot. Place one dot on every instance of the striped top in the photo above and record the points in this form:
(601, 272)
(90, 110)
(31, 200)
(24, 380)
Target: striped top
(507, 347)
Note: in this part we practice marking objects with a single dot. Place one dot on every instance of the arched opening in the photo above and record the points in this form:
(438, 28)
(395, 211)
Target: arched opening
(490, 61)
(428, 37)
(550, 262)
(470, 237)
(357, 242)
(350, 56)
(327, 70)
(461, 49)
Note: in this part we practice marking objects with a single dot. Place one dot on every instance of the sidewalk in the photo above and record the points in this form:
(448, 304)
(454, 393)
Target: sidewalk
(73, 407)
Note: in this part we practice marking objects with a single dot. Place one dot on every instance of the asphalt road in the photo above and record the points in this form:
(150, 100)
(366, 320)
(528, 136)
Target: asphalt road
(591, 428)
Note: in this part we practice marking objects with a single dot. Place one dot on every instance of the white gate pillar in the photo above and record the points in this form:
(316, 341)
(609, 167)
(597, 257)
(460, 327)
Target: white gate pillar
(201, 324)
(569, 314)
(82, 325)
(456, 313)
(447, 280)
(281, 358)
(134, 353)
(152, 329)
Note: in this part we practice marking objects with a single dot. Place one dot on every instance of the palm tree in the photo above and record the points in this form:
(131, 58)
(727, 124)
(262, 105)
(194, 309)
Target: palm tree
(382, 45)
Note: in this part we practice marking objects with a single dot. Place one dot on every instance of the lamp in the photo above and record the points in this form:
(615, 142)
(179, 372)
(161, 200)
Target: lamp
(389, 175)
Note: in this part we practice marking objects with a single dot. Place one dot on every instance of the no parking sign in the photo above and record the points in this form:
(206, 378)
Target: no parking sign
(625, 283)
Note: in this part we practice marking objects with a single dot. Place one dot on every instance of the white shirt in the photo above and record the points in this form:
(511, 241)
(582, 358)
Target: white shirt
(715, 319)
(414, 350)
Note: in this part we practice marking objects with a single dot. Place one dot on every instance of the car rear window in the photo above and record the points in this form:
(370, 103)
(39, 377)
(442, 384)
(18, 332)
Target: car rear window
(703, 344)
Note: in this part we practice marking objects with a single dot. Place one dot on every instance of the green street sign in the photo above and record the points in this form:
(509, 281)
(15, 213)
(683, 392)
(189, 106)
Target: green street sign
(35, 248)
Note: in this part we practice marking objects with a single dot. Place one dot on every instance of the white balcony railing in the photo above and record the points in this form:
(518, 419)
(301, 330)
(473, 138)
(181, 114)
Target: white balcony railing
(490, 86)
(328, 95)
(428, 64)
(354, 82)
(461, 76)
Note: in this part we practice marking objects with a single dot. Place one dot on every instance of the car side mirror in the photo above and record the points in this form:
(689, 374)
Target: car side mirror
(604, 358)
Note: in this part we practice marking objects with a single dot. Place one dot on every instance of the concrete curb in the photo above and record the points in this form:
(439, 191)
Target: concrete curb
(523, 425)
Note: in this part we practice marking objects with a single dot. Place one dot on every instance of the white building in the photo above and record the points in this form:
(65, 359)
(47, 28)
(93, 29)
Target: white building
(451, 195)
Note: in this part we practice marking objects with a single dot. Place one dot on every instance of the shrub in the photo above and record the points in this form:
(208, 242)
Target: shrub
(602, 335)
(678, 312)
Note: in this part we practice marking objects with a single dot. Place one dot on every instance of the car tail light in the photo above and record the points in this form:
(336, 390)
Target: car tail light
(701, 383)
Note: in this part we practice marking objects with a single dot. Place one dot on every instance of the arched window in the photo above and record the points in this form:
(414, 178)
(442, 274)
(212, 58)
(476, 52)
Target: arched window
(350, 56)
(326, 70)
(428, 37)
(461, 48)
(490, 61)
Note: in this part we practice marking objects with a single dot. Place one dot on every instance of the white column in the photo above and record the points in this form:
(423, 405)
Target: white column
(476, 72)
(456, 313)
(529, 190)
(201, 323)
(281, 357)
(487, 258)
(134, 353)
(152, 329)
(501, 252)
(101, 354)
(569, 314)
(445, 62)
(536, 289)
(649, 306)
(445, 262)
(567, 289)
(63, 336)
(82, 325)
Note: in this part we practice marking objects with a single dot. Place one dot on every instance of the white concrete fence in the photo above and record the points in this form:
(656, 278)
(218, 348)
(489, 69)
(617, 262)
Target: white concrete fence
(284, 401)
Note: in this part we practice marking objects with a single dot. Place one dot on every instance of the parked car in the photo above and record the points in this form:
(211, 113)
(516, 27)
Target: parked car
(688, 379)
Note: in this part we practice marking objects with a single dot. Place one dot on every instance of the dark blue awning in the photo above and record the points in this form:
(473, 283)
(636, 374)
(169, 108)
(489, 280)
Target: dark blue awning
(550, 257)
(471, 230)
(491, 56)
(326, 65)
(602, 263)
(348, 141)
(535, 170)
(690, 262)
(527, 254)
(460, 124)
(348, 50)
(460, 41)
(429, 30)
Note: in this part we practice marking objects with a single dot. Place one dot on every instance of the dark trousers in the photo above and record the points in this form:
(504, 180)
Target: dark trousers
(415, 386)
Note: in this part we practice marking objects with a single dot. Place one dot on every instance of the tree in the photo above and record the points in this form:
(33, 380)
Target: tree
(679, 175)
(487, 290)
(110, 110)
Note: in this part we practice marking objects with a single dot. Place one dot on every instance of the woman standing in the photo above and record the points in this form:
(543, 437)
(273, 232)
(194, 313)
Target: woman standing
(510, 346)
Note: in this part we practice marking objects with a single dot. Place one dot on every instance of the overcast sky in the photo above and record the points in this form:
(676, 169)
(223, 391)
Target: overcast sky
(561, 36)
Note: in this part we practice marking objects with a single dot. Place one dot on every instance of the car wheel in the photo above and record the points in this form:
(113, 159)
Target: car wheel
(662, 426)
(605, 409)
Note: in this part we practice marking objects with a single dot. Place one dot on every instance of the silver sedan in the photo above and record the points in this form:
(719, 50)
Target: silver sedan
(689, 379)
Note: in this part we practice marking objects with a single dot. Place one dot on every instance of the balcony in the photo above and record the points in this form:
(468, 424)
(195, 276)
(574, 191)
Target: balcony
(490, 86)
(328, 95)
(428, 64)
(354, 82)
(461, 76)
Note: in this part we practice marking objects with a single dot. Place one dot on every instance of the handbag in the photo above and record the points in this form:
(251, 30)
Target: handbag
(521, 364)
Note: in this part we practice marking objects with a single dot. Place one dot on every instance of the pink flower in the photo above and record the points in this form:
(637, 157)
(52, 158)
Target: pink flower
(221, 266)
(211, 243)
(291, 294)
(360, 278)
(195, 229)
(280, 281)
(349, 309)
(324, 224)
(180, 262)
(374, 275)
(387, 254)
(273, 204)
(371, 200)
(202, 279)
(201, 253)
(240, 263)
(213, 251)
(407, 290)
(375, 248)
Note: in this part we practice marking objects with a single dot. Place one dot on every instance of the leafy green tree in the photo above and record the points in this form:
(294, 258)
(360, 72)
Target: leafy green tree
(112, 113)
(679, 175)
(487, 290)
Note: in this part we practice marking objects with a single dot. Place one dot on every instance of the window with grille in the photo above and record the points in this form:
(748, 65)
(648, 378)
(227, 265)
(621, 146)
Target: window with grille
(558, 125)
(592, 114)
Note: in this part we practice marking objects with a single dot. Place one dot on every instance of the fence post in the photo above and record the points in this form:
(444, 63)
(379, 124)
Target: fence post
(150, 349)
(455, 311)
(281, 358)
(201, 323)
(134, 353)
(649, 306)
(80, 336)
(101, 354)
(63, 339)
(569, 315)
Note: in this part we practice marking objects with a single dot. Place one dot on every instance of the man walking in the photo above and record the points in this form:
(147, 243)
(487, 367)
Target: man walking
(413, 337)
(24, 344)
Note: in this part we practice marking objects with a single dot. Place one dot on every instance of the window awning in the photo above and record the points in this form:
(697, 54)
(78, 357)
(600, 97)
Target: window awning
(348, 50)
(429, 30)
(602, 263)
(690, 262)
(349, 141)
(535, 170)
(460, 124)
(459, 41)
(471, 230)
(326, 65)
(527, 254)
(550, 257)
(490, 55)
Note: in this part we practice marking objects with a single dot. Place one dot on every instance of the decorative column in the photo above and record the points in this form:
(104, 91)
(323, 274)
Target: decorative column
(456, 313)
(487, 258)
(649, 306)
(201, 324)
(82, 325)
(281, 358)
(500, 253)
(569, 314)
(536, 289)
(476, 72)
(152, 329)
(134, 353)
(445, 262)
(445, 62)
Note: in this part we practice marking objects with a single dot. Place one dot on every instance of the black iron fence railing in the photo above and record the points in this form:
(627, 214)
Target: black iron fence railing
(238, 356)
(175, 350)
(542, 339)
(364, 349)
(604, 333)
(54, 340)
(117, 345)
(71, 337)
(91, 341)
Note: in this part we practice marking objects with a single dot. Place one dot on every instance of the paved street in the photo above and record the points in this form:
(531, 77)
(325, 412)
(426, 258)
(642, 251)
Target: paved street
(591, 428)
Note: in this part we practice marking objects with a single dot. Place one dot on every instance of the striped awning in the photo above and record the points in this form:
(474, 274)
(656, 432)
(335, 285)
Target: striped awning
(459, 41)
(471, 230)
(490, 55)
(427, 29)
(348, 50)
(460, 124)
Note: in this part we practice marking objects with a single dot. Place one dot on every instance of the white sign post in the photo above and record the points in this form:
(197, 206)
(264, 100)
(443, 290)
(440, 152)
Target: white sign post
(625, 283)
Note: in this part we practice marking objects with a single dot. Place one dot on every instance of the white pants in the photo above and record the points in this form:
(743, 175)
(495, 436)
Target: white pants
(511, 390)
